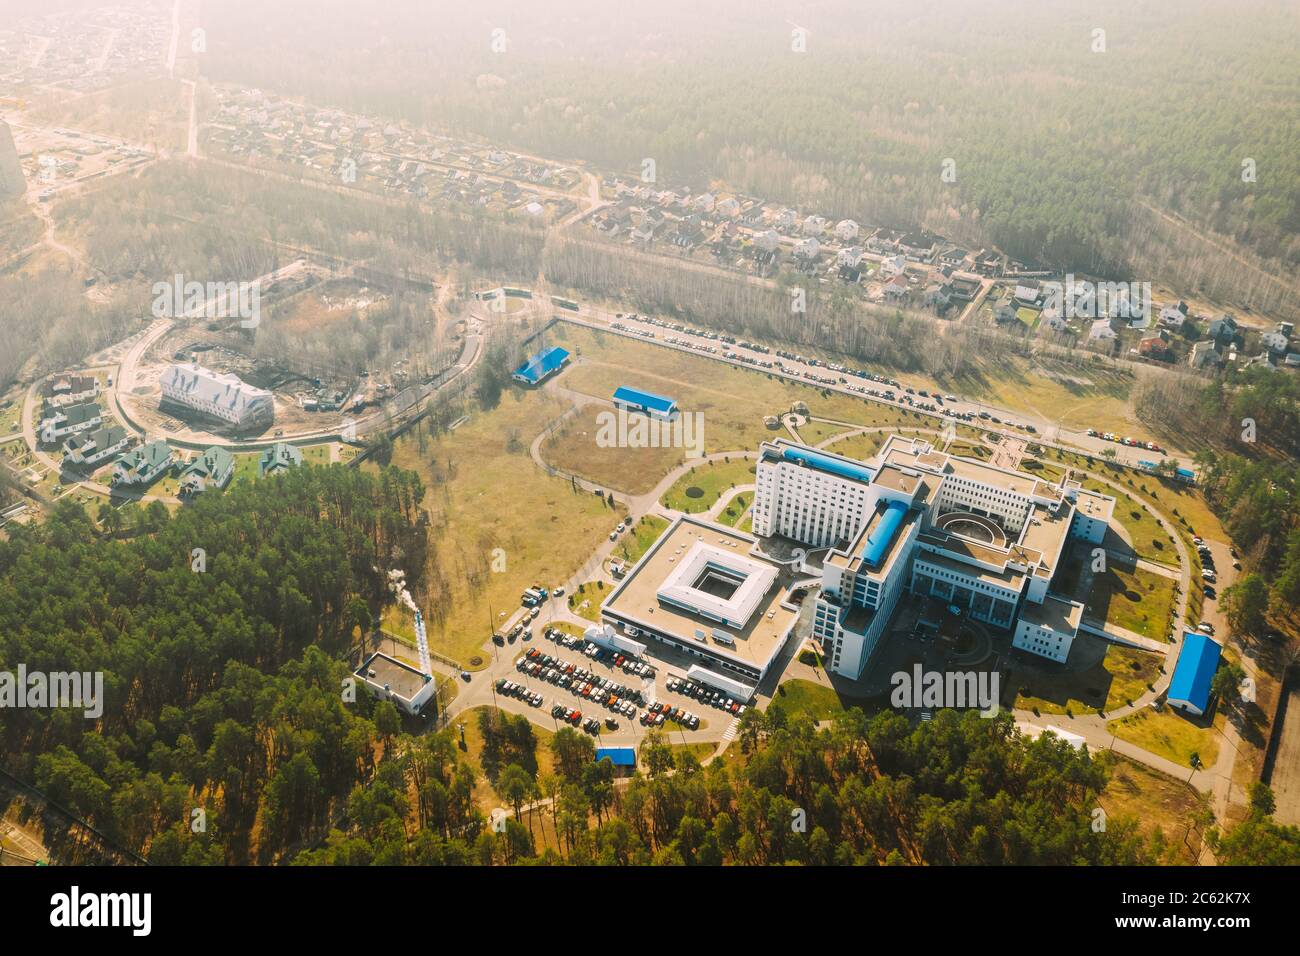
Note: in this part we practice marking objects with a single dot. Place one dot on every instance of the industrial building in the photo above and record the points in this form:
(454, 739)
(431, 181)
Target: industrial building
(703, 591)
(541, 366)
(219, 395)
(983, 540)
(408, 687)
(1189, 689)
(644, 403)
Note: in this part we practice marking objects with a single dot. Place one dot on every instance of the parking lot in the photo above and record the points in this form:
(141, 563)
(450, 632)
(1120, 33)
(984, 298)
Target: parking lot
(592, 678)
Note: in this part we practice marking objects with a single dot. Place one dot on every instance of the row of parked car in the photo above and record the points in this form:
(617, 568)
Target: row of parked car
(657, 714)
(1125, 440)
(706, 695)
(509, 688)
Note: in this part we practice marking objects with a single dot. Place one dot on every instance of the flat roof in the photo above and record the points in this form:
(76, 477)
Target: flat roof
(1045, 533)
(402, 680)
(1011, 580)
(823, 461)
(637, 597)
(1095, 505)
(1060, 615)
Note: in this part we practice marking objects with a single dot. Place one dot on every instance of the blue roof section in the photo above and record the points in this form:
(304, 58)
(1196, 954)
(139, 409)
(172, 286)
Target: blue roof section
(633, 396)
(1197, 662)
(827, 463)
(542, 364)
(620, 756)
(883, 534)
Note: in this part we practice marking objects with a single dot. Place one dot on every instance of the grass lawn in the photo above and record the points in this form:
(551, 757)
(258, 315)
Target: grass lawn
(815, 432)
(1100, 675)
(698, 489)
(817, 701)
(965, 449)
(484, 493)
(736, 508)
(1156, 800)
(1149, 540)
(1132, 598)
(586, 600)
(637, 542)
(1169, 734)
(316, 454)
(1027, 316)
(573, 449)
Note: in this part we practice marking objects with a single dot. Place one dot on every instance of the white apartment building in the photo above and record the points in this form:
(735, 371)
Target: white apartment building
(984, 541)
(218, 395)
(811, 496)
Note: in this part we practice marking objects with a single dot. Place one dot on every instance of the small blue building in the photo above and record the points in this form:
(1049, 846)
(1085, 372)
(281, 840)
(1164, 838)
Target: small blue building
(621, 757)
(647, 403)
(1197, 662)
(541, 366)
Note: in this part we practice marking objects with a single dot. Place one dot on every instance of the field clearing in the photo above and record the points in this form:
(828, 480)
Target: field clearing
(1156, 800)
(483, 493)
(815, 432)
(1077, 397)
(733, 400)
(1169, 734)
(573, 449)
(697, 490)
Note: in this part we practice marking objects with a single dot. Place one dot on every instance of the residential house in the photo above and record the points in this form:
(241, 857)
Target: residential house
(212, 468)
(704, 202)
(1262, 360)
(891, 266)
(1101, 331)
(786, 218)
(846, 230)
(144, 465)
(69, 389)
(849, 257)
(1275, 342)
(937, 296)
(896, 288)
(94, 448)
(280, 457)
(1155, 347)
(807, 248)
(69, 420)
(813, 226)
(1005, 314)
(1027, 291)
(1223, 329)
(729, 207)
(1205, 355)
(767, 242)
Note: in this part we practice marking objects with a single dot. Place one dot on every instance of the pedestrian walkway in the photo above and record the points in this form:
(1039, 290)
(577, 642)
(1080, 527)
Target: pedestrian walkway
(730, 733)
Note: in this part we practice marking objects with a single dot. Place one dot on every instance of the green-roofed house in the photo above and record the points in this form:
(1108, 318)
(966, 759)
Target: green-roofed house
(280, 458)
(212, 468)
(143, 465)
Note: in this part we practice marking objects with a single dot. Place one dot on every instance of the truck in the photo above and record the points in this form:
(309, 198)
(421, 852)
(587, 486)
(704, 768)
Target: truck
(531, 598)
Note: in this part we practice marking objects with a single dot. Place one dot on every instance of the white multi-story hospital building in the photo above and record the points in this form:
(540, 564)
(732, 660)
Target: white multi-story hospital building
(985, 540)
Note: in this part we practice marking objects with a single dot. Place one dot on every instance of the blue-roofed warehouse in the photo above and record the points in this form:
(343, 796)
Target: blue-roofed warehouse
(541, 366)
(619, 756)
(645, 402)
(1197, 662)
